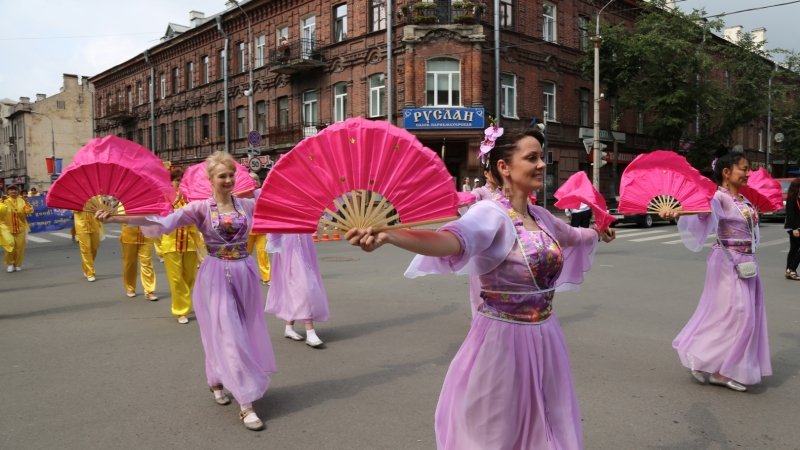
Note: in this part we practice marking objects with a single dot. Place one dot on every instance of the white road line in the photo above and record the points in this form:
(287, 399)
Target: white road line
(775, 242)
(653, 238)
(33, 238)
(641, 233)
(679, 241)
(63, 235)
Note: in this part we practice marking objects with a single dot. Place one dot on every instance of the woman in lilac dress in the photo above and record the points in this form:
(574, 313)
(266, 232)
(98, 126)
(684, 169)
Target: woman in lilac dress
(227, 296)
(296, 292)
(510, 385)
(726, 338)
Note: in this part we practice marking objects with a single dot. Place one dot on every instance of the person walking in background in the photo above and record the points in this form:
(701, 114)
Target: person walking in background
(179, 250)
(136, 248)
(296, 292)
(580, 217)
(16, 219)
(258, 242)
(467, 186)
(88, 232)
(726, 339)
(792, 226)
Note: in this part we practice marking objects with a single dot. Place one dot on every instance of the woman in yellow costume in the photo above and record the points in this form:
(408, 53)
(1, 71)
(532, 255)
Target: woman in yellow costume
(180, 252)
(259, 242)
(136, 247)
(15, 219)
(88, 232)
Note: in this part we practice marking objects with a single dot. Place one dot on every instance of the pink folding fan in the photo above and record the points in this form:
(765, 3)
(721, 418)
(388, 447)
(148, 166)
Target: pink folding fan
(110, 171)
(664, 181)
(578, 189)
(763, 191)
(195, 184)
(356, 173)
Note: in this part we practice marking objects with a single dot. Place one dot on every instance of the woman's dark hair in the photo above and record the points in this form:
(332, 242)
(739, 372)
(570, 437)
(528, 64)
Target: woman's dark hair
(725, 159)
(794, 189)
(175, 173)
(505, 147)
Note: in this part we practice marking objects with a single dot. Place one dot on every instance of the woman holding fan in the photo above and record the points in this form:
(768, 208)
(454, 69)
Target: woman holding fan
(227, 296)
(510, 384)
(725, 340)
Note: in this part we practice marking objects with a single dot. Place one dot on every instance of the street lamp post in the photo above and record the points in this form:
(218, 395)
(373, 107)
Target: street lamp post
(225, 83)
(596, 132)
(249, 91)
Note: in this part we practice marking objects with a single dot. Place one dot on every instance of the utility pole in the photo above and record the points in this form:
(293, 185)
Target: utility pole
(597, 97)
(225, 83)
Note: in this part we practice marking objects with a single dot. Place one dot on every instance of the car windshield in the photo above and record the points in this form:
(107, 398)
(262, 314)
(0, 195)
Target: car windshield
(785, 185)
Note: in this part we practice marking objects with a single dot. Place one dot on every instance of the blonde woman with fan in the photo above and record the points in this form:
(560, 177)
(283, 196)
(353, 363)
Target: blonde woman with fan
(725, 341)
(510, 384)
(227, 296)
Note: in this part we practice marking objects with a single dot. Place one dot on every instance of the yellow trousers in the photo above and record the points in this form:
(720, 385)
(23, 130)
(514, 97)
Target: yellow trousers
(16, 256)
(181, 270)
(130, 254)
(88, 243)
(259, 241)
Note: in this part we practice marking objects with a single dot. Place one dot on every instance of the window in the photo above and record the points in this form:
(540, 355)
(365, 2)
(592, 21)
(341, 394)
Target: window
(377, 95)
(339, 102)
(190, 131)
(508, 85)
(162, 85)
(640, 122)
(377, 15)
(189, 75)
(308, 36)
(241, 128)
(507, 14)
(283, 112)
(129, 98)
(140, 136)
(139, 93)
(281, 34)
(149, 88)
(221, 64)
(549, 22)
(584, 97)
(240, 58)
(205, 128)
(206, 74)
(583, 32)
(176, 134)
(339, 23)
(549, 91)
(220, 124)
(310, 113)
(174, 80)
(443, 82)
(261, 117)
(61, 104)
(260, 46)
(162, 137)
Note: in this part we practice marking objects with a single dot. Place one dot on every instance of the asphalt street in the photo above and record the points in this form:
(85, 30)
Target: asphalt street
(84, 367)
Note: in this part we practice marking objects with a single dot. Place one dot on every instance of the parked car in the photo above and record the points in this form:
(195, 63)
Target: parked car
(781, 213)
(642, 220)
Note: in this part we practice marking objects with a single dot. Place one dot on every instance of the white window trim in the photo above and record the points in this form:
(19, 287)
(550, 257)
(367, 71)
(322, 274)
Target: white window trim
(436, 74)
(509, 92)
(551, 116)
(552, 20)
(261, 42)
(339, 103)
(376, 108)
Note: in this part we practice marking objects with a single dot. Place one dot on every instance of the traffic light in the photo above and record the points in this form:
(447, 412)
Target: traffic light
(603, 155)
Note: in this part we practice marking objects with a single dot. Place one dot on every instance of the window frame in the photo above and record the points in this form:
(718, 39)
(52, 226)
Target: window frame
(584, 24)
(549, 102)
(507, 14)
(206, 69)
(508, 92)
(549, 22)
(432, 96)
(241, 122)
(261, 44)
(339, 23)
(377, 95)
(339, 102)
(377, 15)
(261, 117)
(282, 106)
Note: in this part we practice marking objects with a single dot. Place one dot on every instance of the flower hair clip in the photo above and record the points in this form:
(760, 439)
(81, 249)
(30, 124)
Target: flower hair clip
(491, 135)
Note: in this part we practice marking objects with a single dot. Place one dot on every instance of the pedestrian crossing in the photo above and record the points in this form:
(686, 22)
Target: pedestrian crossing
(670, 236)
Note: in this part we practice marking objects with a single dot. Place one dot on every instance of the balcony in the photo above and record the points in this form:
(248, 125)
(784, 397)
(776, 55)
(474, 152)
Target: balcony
(302, 55)
(119, 112)
(285, 136)
(442, 12)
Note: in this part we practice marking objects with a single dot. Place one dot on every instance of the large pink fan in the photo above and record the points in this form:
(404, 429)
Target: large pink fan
(466, 198)
(116, 170)
(578, 189)
(196, 186)
(356, 173)
(763, 191)
(663, 181)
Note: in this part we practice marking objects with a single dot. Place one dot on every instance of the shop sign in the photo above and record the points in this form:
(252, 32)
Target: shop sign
(442, 118)
(605, 135)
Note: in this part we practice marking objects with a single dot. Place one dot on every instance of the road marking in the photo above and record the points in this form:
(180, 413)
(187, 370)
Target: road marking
(63, 235)
(771, 243)
(653, 238)
(33, 238)
(641, 233)
(680, 241)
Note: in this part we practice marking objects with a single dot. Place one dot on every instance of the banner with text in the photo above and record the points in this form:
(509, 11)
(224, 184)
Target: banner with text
(442, 118)
(47, 219)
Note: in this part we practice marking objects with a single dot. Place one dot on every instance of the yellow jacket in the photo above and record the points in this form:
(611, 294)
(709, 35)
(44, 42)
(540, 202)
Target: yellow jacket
(16, 216)
(183, 239)
(133, 235)
(85, 223)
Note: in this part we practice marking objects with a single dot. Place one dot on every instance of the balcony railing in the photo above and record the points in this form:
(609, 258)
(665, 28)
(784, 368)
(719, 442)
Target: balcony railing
(290, 134)
(119, 111)
(442, 12)
(301, 55)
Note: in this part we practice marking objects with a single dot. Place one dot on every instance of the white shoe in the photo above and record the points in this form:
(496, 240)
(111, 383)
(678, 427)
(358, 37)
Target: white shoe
(251, 420)
(183, 320)
(699, 376)
(10, 268)
(291, 334)
(151, 296)
(18, 268)
(91, 279)
(313, 340)
(131, 294)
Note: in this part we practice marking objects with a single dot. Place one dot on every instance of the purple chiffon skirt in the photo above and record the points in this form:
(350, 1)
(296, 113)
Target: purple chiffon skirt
(727, 333)
(509, 387)
(227, 303)
(296, 291)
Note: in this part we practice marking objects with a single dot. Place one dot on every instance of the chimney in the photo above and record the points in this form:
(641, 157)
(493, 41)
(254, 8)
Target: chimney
(231, 4)
(24, 100)
(759, 36)
(733, 33)
(196, 18)
(40, 97)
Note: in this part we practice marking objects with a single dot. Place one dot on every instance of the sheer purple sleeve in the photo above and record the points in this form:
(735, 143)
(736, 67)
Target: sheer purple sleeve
(486, 235)
(154, 226)
(578, 246)
(275, 242)
(696, 228)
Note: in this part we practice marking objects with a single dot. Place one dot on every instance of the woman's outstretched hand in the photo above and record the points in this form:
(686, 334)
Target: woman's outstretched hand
(609, 235)
(669, 214)
(102, 215)
(367, 239)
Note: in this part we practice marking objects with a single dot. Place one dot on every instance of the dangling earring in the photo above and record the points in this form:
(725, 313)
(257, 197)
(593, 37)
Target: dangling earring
(507, 190)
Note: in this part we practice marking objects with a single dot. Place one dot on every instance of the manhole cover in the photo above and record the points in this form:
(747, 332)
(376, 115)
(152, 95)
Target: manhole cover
(338, 259)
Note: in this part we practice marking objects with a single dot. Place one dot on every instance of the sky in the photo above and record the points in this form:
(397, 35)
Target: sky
(43, 39)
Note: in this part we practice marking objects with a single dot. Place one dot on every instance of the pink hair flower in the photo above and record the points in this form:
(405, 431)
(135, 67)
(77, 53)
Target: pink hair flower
(491, 135)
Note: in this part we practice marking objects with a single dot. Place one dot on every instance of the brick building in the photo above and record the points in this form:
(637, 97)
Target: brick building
(314, 63)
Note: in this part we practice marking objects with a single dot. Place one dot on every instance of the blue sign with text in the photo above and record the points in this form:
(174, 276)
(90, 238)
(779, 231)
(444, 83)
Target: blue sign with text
(47, 219)
(442, 118)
